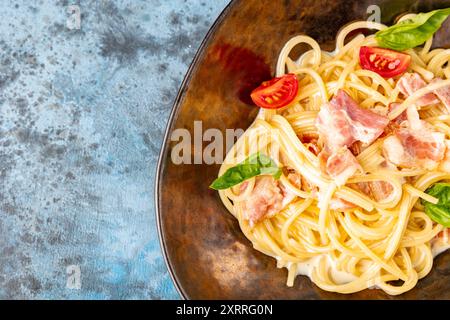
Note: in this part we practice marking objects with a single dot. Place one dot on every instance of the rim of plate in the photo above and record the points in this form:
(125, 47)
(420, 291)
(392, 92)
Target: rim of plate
(164, 145)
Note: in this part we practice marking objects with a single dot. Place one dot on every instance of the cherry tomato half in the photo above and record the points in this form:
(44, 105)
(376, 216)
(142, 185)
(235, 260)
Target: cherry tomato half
(276, 93)
(387, 63)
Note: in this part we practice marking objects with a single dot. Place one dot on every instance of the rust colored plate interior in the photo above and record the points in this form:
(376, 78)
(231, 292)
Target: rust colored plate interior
(206, 252)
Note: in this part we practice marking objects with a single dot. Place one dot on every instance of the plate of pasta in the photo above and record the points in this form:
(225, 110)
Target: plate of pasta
(339, 184)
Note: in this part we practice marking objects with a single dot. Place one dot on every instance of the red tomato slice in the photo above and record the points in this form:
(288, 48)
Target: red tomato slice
(387, 63)
(276, 93)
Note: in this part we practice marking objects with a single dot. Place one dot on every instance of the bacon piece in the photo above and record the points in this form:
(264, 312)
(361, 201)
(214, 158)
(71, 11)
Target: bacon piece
(342, 165)
(357, 148)
(306, 138)
(243, 186)
(295, 178)
(395, 123)
(415, 144)
(443, 94)
(362, 187)
(376, 190)
(443, 236)
(334, 127)
(380, 190)
(299, 181)
(407, 149)
(342, 122)
(311, 142)
(265, 200)
(380, 110)
(402, 117)
(409, 83)
(366, 125)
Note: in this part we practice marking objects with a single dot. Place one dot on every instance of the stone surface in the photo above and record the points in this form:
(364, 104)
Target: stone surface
(82, 114)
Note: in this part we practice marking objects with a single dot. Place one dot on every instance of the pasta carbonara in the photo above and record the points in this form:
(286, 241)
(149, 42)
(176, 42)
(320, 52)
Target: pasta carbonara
(365, 137)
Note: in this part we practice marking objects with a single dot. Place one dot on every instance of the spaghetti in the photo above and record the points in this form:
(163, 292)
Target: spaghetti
(375, 241)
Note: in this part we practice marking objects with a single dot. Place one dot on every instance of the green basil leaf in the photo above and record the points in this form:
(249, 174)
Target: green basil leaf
(266, 165)
(412, 32)
(439, 212)
(255, 165)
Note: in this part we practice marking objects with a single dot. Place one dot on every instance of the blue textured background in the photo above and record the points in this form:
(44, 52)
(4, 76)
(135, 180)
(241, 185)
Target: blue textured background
(82, 114)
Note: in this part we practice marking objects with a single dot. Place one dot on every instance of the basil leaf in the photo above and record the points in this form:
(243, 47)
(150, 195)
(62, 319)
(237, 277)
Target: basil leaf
(266, 165)
(412, 32)
(439, 212)
(255, 165)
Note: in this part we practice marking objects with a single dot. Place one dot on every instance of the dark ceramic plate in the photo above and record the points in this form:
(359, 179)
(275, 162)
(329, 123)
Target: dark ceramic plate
(207, 254)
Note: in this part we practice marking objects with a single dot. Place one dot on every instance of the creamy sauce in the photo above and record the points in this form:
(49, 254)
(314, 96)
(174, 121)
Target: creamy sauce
(438, 249)
(306, 268)
(440, 245)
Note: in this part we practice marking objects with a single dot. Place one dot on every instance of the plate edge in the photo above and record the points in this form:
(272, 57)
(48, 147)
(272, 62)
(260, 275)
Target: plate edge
(164, 145)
